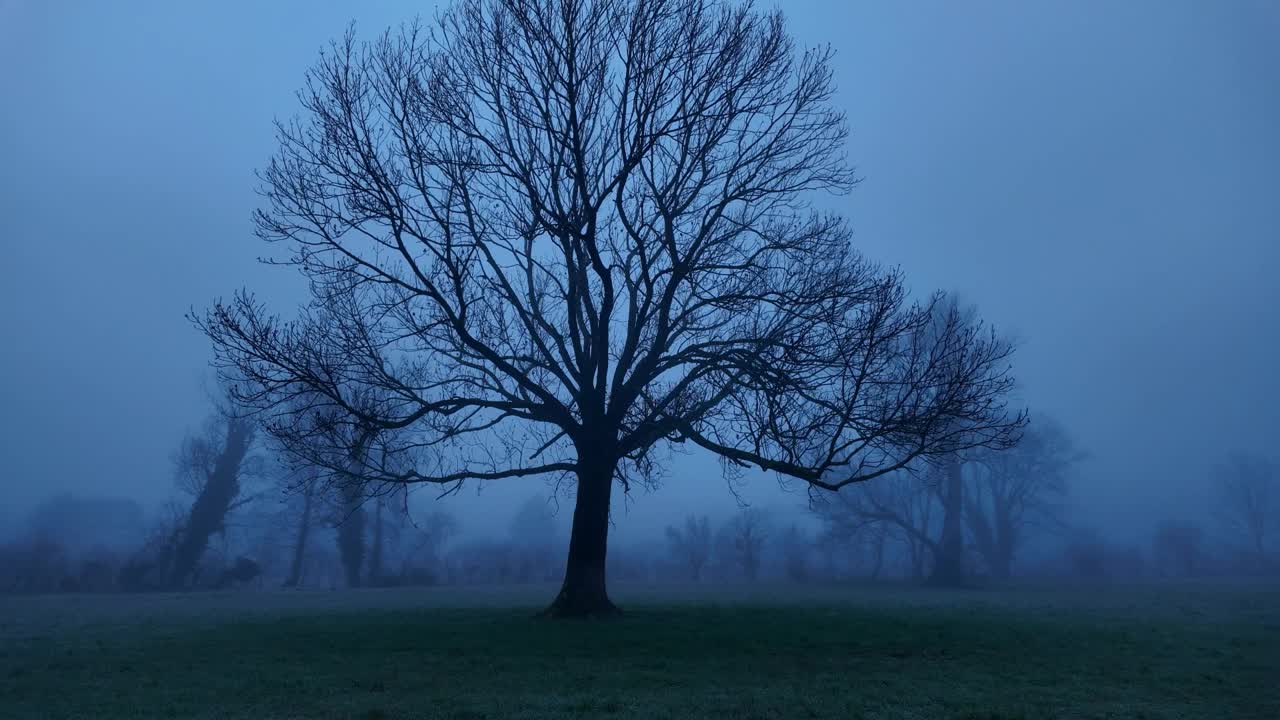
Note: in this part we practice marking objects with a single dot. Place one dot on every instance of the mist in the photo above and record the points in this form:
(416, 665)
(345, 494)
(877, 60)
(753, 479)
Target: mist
(1096, 181)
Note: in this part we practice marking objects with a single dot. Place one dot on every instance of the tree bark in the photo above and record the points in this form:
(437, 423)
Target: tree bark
(948, 562)
(583, 593)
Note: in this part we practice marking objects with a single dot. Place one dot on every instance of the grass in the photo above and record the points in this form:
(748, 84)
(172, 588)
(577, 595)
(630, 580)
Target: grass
(1168, 653)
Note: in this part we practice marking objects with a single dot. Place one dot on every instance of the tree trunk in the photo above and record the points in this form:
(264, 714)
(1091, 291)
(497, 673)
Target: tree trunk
(351, 536)
(300, 544)
(878, 565)
(583, 592)
(1005, 546)
(209, 511)
(948, 562)
(351, 528)
(375, 552)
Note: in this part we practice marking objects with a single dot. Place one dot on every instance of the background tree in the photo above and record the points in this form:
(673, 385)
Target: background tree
(210, 468)
(742, 541)
(1011, 491)
(547, 236)
(948, 550)
(303, 506)
(796, 547)
(421, 560)
(947, 475)
(387, 526)
(690, 545)
(533, 536)
(1249, 502)
(904, 507)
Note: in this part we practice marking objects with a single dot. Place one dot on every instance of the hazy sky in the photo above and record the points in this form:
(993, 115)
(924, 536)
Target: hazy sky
(1099, 177)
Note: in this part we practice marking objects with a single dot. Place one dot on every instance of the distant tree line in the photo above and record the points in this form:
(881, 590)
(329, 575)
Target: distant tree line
(243, 517)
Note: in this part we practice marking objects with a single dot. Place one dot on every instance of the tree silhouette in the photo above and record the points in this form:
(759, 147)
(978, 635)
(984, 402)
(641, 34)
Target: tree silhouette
(548, 237)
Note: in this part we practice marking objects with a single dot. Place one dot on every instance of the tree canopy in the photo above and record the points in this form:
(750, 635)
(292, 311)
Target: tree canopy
(546, 237)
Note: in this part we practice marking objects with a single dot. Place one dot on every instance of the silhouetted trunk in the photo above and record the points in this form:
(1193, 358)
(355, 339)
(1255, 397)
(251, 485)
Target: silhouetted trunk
(375, 552)
(351, 535)
(209, 511)
(994, 537)
(948, 561)
(351, 527)
(919, 551)
(583, 592)
(300, 543)
(878, 565)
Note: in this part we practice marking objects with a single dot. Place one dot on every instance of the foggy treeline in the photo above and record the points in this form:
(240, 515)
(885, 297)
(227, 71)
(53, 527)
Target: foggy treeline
(240, 516)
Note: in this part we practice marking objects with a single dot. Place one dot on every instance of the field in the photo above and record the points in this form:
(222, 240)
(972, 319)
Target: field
(758, 652)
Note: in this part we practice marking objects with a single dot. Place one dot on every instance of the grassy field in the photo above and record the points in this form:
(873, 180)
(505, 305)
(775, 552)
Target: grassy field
(763, 652)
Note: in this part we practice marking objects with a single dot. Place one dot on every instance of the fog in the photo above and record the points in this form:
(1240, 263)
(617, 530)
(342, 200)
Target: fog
(1097, 178)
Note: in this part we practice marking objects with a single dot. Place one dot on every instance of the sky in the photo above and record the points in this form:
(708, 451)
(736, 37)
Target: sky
(1099, 177)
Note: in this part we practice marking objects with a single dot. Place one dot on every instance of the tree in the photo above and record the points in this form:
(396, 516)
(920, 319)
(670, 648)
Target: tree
(548, 237)
(742, 541)
(948, 550)
(209, 467)
(304, 525)
(797, 548)
(391, 510)
(1013, 490)
(904, 507)
(533, 535)
(1177, 548)
(691, 544)
(1249, 502)
(425, 543)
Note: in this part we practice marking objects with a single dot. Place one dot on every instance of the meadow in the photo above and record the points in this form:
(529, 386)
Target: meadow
(766, 651)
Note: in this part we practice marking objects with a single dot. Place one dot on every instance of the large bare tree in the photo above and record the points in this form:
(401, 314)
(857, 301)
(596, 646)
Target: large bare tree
(547, 237)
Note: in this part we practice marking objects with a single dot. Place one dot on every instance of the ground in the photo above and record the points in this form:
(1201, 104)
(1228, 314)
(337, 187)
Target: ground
(709, 652)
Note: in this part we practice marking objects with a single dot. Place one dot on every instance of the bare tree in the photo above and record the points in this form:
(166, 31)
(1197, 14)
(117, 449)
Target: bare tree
(905, 508)
(797, 549)
(742, 541)
(1249, 502)
(378, 542)
(210, 468)
(425, 544)
(948, 552)
(305, 524)
(691, 545)
(547, 236)
(949, 557)
(1011, 491)
(533, 537)
(350, 524)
